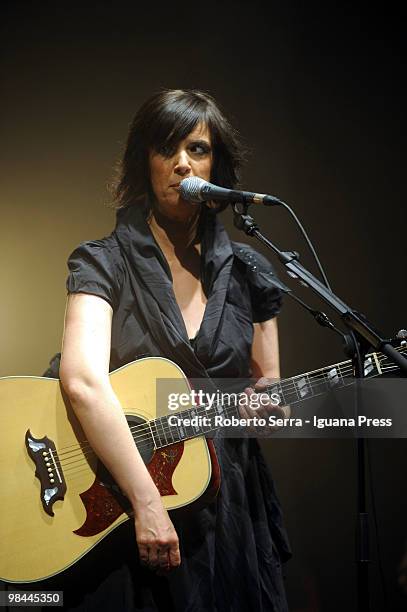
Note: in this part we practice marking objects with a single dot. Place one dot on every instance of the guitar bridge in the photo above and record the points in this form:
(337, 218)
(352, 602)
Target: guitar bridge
(48, 470)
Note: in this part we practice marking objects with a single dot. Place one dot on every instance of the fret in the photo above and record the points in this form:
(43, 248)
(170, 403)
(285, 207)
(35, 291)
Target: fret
(369, 365)
(210, 427)
(163, 436)
(232, 410)
(346, 371)
(210, 413)
(189, 430)
(290, 391)
(377, 362)
(334, 377)
(219, 409)
(169, 429)
(304, 387)
(197, 428)
(174, 429)
(154, 433)
(150, 424)
(313, 384)
(310, 385)
(322, 381)
(277, 389)
(183, 435)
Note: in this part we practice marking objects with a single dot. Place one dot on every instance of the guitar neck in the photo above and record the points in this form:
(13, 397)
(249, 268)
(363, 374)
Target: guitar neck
(199, 420)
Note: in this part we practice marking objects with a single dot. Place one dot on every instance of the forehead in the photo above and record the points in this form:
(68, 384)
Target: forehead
(200, 132)
(169, 145)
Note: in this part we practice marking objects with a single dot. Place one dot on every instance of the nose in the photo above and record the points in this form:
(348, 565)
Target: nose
(182, 163)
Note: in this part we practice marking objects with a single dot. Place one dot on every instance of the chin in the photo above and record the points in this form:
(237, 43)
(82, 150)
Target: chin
(178, 209)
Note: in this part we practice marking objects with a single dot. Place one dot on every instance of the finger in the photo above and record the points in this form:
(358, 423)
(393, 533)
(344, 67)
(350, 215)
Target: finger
(143, 553)
(163, 558)
(262, 383)
(174, 555)
(164, 566)
(153, 556)
(253, 398)
(244, 412)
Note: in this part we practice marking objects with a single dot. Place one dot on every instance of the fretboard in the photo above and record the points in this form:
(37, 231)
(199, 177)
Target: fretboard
(290, 391)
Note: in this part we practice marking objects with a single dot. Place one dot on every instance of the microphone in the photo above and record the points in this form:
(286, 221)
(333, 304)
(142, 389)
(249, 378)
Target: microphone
(195, 189)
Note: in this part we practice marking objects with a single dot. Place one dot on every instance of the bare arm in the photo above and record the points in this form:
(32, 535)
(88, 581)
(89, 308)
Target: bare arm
(265, 350)
(84, 375)
(265, 366)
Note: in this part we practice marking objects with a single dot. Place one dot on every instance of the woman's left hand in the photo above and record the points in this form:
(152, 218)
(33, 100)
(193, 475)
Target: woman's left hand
(267, 405)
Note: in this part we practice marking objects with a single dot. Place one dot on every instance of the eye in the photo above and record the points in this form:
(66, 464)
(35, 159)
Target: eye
(165, 151)
(200, 148)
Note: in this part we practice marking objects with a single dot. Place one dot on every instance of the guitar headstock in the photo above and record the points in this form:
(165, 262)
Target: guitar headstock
(399, 342)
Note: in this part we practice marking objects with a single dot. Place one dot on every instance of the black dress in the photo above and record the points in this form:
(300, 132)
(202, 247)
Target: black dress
(232, 549)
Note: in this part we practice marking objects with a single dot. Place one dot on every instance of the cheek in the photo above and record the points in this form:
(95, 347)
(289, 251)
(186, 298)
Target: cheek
(157, 173)
(206, 170)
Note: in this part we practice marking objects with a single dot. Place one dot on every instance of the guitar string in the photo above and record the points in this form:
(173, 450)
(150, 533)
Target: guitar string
(167, 430)
(77, 471)
(146, 426)
(193, 434)
(285, 388)
(167, 436)
(147, 439)
(72, 470)
(285, 384)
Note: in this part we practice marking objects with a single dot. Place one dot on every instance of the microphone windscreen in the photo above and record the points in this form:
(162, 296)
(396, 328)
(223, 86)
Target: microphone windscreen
(190, 189)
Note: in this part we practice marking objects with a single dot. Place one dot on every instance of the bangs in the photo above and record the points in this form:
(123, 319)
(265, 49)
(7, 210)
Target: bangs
(162, 122)
(173, 122)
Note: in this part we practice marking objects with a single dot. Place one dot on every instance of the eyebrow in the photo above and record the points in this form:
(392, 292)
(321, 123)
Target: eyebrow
(200, 141)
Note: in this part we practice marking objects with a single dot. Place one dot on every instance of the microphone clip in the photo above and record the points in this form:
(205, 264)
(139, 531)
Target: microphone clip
(242, 220)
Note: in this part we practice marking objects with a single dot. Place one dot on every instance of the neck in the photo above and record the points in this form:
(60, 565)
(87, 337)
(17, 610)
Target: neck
(174, 234)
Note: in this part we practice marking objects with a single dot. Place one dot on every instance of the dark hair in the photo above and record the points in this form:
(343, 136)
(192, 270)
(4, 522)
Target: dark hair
(160, 124)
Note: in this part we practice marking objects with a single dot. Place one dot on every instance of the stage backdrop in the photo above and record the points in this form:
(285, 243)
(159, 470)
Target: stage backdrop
(318, 96)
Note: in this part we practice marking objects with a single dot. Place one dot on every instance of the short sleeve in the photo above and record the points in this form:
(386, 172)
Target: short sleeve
(95, 268)
(265, 294)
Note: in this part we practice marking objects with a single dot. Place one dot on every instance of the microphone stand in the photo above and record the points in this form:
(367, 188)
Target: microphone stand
(361, 336)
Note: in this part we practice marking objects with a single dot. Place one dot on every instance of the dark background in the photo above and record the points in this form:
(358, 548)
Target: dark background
(318, 94)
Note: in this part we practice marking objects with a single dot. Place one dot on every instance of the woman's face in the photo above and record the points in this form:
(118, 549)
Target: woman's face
(193, 157)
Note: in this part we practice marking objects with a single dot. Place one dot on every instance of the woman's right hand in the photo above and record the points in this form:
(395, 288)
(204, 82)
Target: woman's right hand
(156, 537)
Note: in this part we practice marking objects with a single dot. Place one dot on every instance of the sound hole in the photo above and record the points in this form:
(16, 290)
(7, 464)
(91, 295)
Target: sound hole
(142, 436)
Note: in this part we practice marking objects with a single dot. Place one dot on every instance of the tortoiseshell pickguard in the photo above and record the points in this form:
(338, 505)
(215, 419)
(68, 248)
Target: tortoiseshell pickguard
(104, 505)
(162, 466)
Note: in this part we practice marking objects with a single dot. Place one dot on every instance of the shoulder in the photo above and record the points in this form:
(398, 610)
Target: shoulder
(107, 247)
(263, 284)
(96, 267)
(251, 259)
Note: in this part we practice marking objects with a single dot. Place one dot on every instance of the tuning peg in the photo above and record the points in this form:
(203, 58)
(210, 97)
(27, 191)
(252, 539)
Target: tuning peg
(402, 335)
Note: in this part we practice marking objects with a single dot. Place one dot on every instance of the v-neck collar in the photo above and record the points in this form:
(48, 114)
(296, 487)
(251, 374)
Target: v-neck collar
(151, 266)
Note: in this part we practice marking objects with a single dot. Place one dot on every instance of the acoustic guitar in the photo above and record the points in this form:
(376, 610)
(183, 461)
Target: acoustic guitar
(57, 501)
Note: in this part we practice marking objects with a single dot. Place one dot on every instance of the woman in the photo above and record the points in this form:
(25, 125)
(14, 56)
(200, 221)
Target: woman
(168, 282)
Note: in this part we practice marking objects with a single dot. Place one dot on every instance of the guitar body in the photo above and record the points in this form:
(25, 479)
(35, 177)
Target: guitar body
(47, 525)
